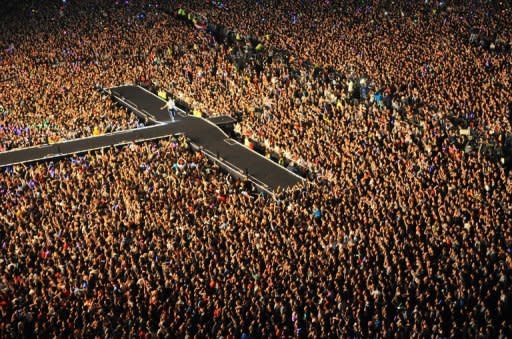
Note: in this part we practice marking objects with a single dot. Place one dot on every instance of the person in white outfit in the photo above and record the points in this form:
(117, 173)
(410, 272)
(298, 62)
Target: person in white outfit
(171, 106)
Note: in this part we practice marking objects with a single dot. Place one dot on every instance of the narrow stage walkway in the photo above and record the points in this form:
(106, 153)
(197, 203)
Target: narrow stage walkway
(204, 135)
(44, 152)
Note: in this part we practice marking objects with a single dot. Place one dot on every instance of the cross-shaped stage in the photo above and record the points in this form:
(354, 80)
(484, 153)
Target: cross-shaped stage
(203, 134)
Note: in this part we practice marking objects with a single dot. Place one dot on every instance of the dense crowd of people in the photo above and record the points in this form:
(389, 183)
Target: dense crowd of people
(51, 71)
(399, 111)
(418, 60)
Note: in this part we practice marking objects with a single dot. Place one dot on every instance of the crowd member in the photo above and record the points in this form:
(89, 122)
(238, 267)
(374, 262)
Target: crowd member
(403, 230)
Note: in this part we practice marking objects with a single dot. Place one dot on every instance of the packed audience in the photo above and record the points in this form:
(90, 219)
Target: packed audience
(402, 228)
(417, 59)
(163, 244)
(51, 70)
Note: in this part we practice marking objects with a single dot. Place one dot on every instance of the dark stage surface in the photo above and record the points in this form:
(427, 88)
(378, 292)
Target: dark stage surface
(203, 134)
(44, 152)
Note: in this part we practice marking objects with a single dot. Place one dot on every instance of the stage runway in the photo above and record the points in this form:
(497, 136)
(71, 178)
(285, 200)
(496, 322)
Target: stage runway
(203, 134)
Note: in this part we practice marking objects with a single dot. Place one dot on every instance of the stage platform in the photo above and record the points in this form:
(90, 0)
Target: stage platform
(45, 152)
(204, 135)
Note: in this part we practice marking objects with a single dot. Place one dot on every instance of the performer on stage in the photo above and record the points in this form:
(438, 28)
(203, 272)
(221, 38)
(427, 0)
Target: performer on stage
(171, 106)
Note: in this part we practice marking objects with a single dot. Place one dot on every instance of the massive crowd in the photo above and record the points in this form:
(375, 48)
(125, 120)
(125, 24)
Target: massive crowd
(51, 70)
(418, 60)
(402, 229)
